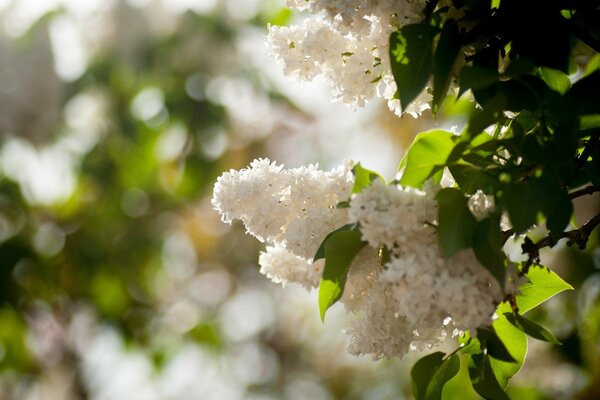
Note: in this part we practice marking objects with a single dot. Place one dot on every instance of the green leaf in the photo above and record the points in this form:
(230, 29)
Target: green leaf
(457, 151)
(340, 250)
(363, 177)
(491, 112)
(515, 342)
(446, 52)
(487, 245)
(474, 77)
(411, 57)
(468, 344)
(495, 347)
(431, 373)
(321, 250)
(590, 121)
(555, 79)
(483, 378)
(422, 373)
(592, 65)
(521, 205)
(543, 284)
(531, 328)
(444, 373)
(470, 178)
(554, 202)
(429, 150)
(456, 223)
(343, 204)
(519, 67)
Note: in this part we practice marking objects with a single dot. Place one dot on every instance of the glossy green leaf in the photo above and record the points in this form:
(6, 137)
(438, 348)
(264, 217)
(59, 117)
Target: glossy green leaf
(531, 328)
(483, 378)
(522, 206)
(321, 250)
(474, 77)
(468, 344)
(422, 373)
(591, 121)
(470, 178)
(411, 58)
(456, 223)
(554, 202)
(543, 284)
(446, 52)
(490, 113)
(429, 150)
(495, 347)
(363, 178)
(443, 374)
(340, 250)
(431, 373)
(487, 245)
(514, 340)
(555, 79)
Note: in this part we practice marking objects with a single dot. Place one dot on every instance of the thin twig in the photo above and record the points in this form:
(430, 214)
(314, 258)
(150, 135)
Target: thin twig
(584, 191)
(579, 237)
(588, 149)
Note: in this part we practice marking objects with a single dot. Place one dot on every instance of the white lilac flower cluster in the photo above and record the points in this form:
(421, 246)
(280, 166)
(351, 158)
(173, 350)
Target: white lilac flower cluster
(431, 296)
(346, 42)
(290, 209)
(413, 301)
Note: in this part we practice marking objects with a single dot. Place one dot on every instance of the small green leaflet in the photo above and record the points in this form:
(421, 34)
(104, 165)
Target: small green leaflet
(340, 250)
(363, 177)
(592, 65)
(475, 77)
(555, 79)
(468, 344)
(321, 250)
(470, 178)
(491, 112)
(531, 328)
(431, 373)
(495, 347)
(411, 57)
(483, 378)
(456, 223)
(429, 150)
(543, 284)
(515, 342)
(590, 121)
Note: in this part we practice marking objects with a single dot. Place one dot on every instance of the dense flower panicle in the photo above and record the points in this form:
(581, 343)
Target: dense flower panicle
(292, 209)
(388, 215)
(379, 329)
(432, 296)
(346, 42)
(414, 301)
(282, 266)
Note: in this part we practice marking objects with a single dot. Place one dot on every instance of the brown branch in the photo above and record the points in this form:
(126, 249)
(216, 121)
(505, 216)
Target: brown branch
(584, 191)
(506, 235)
(579, 237)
